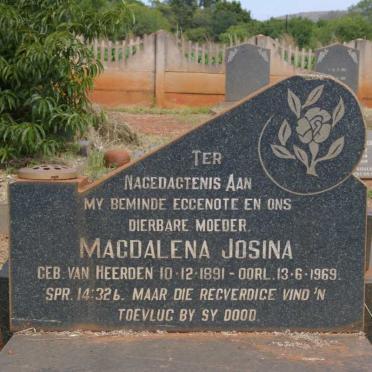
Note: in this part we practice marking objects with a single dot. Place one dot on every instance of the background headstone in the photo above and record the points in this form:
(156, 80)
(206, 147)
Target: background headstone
(341, 62)
(252, 221)
(364, 168)
(247, 70)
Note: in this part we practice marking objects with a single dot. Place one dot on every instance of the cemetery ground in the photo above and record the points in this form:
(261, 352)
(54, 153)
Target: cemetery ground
(335, 307)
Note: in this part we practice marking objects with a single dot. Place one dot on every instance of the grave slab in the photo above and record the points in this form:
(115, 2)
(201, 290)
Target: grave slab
(340, 61)
(185, 352)
(247, 70)
(252, 221)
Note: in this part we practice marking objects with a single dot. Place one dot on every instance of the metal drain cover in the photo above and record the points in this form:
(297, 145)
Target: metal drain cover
(48, 172)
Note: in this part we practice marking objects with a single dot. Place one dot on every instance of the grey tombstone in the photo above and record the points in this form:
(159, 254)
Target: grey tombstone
(364, 168)
(252, 221)
(247, 70)
(4, 303)
(341, 62)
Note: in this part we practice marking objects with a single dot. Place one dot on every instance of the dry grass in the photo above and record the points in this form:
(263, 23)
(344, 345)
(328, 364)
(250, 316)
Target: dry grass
(111, 133)
(4, 249)
(368, 117)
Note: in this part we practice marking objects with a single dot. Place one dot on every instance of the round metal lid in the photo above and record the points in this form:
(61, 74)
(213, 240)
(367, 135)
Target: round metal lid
(48, 172)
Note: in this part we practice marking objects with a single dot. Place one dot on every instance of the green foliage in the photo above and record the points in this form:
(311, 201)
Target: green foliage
(227, 14)
(301, 30)
(148, 20)
(96, 165)
(46, 70)
(183, 11)
(349, 27)
(241, 31)
(369, 194)
(200, 34)
(364, 8)
(222, 20)
(145, 19)
(274, 28)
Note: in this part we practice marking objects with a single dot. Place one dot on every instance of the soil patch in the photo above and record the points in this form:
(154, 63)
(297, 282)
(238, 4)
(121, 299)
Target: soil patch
(168, 125)
(4, 249)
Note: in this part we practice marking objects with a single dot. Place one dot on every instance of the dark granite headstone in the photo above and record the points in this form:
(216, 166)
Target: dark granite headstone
(364, 168)
(247, 70)
(252, 221)
(341, 62)
(4, 304)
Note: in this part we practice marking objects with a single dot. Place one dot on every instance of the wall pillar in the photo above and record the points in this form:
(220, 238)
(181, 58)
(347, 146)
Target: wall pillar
(160, 64)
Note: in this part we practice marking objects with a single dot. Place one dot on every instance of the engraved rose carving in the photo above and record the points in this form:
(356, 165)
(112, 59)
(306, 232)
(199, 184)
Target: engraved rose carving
(313, 128)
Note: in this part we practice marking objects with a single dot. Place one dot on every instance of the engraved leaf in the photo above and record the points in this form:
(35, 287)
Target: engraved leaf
(338, 112)
(335, 149)
(314, 96)
(294, 103)
(314, 149)
(285, 132)
(301, 155)
(281, 152)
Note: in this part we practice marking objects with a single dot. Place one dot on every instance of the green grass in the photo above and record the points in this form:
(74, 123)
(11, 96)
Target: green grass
(369, 194)
(95, 167)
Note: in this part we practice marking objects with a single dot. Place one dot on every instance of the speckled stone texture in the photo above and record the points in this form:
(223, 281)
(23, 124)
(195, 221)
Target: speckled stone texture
(247, 70)
(297, 144)
(364, 169)
(4, 304)
(339, 61)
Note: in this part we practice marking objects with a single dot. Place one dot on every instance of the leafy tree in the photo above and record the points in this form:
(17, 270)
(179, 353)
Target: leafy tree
(201, 29)
(227, 14)
(364, 8)
(199, 34)
(184, 11)
(208, 3)
(167, 12)
(46, 70)
(274, 28)
(94, 4)
(301, 30)
(349, 27)
(148, 20)
(240, 31)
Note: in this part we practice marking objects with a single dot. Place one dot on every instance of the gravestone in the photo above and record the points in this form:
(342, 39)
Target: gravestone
(364, 168)
(341, 62)
(4, 303)
(241, 224)
(247, 70)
